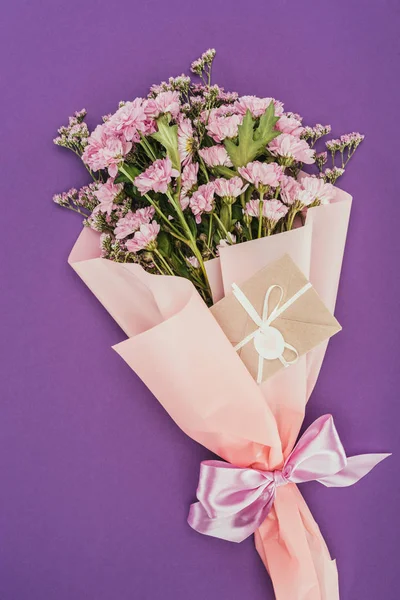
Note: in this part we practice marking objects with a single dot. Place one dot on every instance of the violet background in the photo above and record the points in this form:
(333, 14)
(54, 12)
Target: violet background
(95, 479)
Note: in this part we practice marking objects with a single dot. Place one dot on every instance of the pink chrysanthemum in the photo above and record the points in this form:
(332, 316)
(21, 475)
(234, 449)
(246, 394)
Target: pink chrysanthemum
(228, 241)
(290, 189)
(229, 188)
(306, 191)
(132, 222)
(202, 201)
(215, 156)
(221, 127)
(252, 208)
(157, 177)
(193, 262)
(105, 150)
(189, 181)
(291, 147)
(320, 191)
(225, 110)
(189, 176)
(144, 238)
(290, 125)
(129, 120)
(257, 106)
(263, 174)
(165, 102)
(106, 194)
(274, 210)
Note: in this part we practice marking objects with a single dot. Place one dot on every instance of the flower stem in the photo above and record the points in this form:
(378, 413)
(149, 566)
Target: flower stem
(163, 262)
(291, 216)
(147, 148)
(222, 226)
(210, 230)
(157, 267)
(75, 210)
(204, 169)
(173, 231)
(260, 214)
(191, 240)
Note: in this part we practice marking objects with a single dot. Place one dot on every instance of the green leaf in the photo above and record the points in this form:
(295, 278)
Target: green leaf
(192, 225)
(167, 135)
(164, 244)
(224, 216)
(265, 131)
(180, 267)
(224, 171)
(252, 142)
(130, 170)
(121, 178)
(131, 191)
(237, 212)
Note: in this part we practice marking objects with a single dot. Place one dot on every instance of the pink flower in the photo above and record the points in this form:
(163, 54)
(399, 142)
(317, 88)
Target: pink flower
(273, 210)
(291, 147)
(184, 201)
(145, 214)
(265, 174)
(225, 110)
(290, 125)
(221, 127)
(129, 120)
(105, 150)
(202, 200)
(165, 102)
(321, 158)
(189, 176)
(192, 260)
(215, 156)
(318, 189)
(306, 191)
(105, 194)
(189, 180)
(228, 241)
(150, 126)
(229, 188)
(186, 141)
(144, 238)
(157, 177)
(132, 222)
(252, 208)
(257, 106)
(290, 189)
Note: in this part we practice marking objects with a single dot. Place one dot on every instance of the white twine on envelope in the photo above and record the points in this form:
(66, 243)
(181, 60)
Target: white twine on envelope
(268, 341)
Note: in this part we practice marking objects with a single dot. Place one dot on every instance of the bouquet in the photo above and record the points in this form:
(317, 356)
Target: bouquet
(200, 199)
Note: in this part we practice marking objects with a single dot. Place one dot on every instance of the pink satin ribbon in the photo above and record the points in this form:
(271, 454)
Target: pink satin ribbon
(234, 501)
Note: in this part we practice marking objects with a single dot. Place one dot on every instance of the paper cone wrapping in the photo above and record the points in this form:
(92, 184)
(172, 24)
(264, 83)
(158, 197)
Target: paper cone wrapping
(180, 352)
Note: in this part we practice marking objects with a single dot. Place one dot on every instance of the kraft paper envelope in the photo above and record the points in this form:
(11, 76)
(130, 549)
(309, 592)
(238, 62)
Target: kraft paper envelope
(304, 324)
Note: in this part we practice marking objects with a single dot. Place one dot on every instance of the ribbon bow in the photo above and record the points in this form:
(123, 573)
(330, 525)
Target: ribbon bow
(234, 501)
(268, 341)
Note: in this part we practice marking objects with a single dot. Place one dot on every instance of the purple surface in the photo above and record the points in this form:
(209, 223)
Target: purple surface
(95, 478)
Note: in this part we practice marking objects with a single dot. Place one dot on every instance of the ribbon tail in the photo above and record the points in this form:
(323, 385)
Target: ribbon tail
(357, 467)
(230, 527)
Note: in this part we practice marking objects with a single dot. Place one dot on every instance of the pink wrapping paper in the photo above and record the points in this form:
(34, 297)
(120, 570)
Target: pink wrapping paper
(178, 350)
